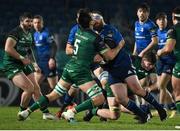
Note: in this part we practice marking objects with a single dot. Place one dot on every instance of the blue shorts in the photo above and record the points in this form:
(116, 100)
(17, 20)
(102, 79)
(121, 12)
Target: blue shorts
(46, 71)
(162, 67)
(118, 75)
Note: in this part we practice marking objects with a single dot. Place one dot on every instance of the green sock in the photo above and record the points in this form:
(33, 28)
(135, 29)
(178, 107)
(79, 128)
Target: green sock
(178, 106)
(41, 103)
(44, 109)
(94, 111)
(88, 104)
(22, 108)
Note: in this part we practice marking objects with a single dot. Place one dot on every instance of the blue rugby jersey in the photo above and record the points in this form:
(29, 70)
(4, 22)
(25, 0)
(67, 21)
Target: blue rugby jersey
(122, 58)
(162, 37)
(43, 41)
(72, 34)
(143, 34)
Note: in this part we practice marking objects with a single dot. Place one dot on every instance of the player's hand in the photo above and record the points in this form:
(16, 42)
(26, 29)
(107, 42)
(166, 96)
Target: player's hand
(36, 67)
(98, 58)
(141, 54)
(26, 61)
(52, 63)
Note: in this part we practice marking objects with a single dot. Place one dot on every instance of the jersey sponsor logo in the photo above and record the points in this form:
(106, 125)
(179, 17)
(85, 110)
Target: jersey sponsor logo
(14, 71)
(142, 29)
(169, 71)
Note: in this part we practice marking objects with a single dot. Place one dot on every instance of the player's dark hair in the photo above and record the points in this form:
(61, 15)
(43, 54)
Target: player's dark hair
(176, 12)
(151, 57)
(25, 15)
(161, 15)
(38, 17)
(144, 6)
(84, 18)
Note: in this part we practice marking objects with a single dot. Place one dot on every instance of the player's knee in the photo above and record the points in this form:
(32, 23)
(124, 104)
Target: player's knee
(29, 88)
(98, 100)
(95, 93)
(60, 90)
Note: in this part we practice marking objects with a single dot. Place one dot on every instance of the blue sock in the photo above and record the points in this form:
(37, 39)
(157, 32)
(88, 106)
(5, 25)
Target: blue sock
(68, 99)
(145, 108)
(171, 106)
(149, 98)
(135, 109)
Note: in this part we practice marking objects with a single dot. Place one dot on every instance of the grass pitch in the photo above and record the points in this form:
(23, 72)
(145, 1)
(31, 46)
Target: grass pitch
(8, 121)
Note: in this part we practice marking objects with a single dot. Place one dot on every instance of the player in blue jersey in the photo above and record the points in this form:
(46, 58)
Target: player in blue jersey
(165, 64)
(45, 48)
(145, 31)
(145, 39)
(121, 72)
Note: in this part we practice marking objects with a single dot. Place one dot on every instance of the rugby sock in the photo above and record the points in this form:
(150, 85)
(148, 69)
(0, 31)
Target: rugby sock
(149, 98)
(178, 106)
(94, 111)
(171, 106)
(68, 99)
(22, 108)
(145, 108)
(88, 104)
(135, 109)
(41, 103)
(44, 109)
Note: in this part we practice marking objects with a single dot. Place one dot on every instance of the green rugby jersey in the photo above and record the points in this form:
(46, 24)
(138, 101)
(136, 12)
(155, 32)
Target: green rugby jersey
(174, 33)
(24, 42)
(87, 44)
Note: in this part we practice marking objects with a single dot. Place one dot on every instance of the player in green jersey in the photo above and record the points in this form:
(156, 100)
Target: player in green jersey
(18, 66)
(77, 71)
(173, 43)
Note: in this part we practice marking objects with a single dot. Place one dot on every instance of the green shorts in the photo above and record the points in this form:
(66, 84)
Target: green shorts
(76, 74)
(176, 71)
(11, 70)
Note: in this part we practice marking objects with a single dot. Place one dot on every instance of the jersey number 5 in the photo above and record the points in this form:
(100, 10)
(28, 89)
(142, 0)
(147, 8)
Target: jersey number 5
(77, 41)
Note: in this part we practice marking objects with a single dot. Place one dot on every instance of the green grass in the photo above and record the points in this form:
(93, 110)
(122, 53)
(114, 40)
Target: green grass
(8, 121)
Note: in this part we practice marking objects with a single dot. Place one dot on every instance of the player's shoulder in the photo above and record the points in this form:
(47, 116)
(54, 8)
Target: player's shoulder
(16, 30)
(75, 27)
(150, 22)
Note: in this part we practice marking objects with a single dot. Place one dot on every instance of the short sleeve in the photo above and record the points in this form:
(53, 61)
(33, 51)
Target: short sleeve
(72, 33)
(100, 45)
(153, 30)
(171, 34)
(13, 34)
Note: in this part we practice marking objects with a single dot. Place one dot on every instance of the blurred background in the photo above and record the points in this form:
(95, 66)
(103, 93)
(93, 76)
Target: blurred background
(60, 15)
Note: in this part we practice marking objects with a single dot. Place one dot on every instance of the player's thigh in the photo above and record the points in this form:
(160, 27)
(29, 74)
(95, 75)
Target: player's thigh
(163, 80)
(93, 91)
(35, 83)
(52, 81)
(39, 77)
(176, 87)
(22, 81)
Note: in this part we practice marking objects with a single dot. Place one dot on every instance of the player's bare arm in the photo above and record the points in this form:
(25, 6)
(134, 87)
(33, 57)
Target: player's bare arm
(9, 48)
(69, 49)
(170, 44)
(154, 41)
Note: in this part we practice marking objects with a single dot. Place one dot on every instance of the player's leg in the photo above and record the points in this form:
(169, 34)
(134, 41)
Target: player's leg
(134, 85)
(68, 100)
(120, 92)
(113, 112)
(60, 89)
(52, 81)
(20, 80)
(96, 98)
(36, 95)
(176, 90)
